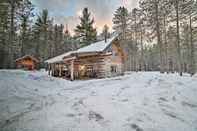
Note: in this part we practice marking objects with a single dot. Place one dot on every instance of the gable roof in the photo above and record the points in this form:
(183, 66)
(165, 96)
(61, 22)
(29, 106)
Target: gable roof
(59, 58)
(94, 47)
(27, 56)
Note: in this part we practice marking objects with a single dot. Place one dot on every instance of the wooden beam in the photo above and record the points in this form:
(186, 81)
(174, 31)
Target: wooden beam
(53, 70)
(70, 58)
(49, 69)
(72, 70)
(60, 70)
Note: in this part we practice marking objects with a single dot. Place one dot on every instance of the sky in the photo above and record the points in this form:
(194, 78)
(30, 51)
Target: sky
(67, 12)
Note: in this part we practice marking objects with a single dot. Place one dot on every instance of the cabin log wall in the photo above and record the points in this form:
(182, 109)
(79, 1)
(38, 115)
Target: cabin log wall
(95, 63)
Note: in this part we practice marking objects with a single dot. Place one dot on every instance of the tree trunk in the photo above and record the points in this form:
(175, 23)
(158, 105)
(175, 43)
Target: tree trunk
(159, 42)
(192, 59)
(166, 46)
(11, 35)
(142, 52)
(178, 39)
(3, 34)
(135, 46)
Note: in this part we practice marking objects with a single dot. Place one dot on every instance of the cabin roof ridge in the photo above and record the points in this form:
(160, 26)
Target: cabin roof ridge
(27, 55)
(99, 46)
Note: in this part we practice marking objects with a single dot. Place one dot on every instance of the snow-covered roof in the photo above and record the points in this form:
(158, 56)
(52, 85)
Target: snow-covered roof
(59, 58)
(94, 47)
(27, 56)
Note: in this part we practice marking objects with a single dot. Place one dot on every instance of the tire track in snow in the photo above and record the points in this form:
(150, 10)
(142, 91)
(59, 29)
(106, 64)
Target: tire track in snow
(42, 103)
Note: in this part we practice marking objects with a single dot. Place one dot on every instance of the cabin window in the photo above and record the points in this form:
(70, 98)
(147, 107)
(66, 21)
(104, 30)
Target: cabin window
(81, 67)
(113, 69)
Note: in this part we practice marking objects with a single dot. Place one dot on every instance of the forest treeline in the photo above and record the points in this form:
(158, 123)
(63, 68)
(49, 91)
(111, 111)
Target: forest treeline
(161, 35)
(158, 35)
(23, 32)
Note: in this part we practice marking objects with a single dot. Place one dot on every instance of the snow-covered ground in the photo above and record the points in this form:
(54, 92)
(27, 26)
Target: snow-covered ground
(33, 101)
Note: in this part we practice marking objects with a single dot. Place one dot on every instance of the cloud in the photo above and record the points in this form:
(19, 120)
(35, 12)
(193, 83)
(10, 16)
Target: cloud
(54, 6)
(130, 4)
(67, 11)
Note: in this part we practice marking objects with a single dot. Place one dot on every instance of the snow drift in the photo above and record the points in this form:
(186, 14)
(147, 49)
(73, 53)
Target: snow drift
(33, 101)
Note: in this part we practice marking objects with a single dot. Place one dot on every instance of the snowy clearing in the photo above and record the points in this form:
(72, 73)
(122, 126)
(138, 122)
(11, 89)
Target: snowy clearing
(33, 101)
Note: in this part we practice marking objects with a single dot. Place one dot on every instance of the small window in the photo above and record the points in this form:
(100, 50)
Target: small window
(113, 69)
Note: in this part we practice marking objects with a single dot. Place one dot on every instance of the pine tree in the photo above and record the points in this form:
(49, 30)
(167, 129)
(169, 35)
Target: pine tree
(85, 30)
(105, 33)
(153, 11)
(12, 27)
(3, 32)
(188, 9)
(69, 43)
(165, 13)
(142, 33)
(41, 27)
(120, 21)
(25, 13)
(185, 46)
(133, 29)
(176, 5)
(58, 39)
(51, 44)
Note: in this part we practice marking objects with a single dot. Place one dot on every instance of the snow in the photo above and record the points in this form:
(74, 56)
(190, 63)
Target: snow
(27, 56)
(95, 47)
(59, 58)
(34, 101)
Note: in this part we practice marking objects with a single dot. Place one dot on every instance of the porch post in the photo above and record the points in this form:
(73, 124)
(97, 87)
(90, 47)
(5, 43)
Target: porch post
(53, 70)
(72, 70)
(49, 69)
(60, 70)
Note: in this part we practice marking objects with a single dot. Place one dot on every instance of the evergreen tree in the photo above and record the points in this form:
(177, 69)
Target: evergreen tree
(176, 4)
(51, 44)
(85, 30)
(105, 33)
(153, 10)
(3, 32)
(58, 39)
(25, 13)
(188, 9)
(120, 21)
(134, 25)
(42, 28)
(12, 28)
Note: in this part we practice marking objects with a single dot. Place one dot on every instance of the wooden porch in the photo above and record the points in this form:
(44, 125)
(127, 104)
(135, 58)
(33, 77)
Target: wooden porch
(81, 67)
(86, 67)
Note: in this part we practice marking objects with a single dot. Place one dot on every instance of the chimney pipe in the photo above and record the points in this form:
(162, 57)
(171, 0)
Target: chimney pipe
(105, 38)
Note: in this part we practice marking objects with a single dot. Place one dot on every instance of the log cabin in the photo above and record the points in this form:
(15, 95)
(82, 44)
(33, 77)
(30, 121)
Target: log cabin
(27, 62)
(97, 60)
